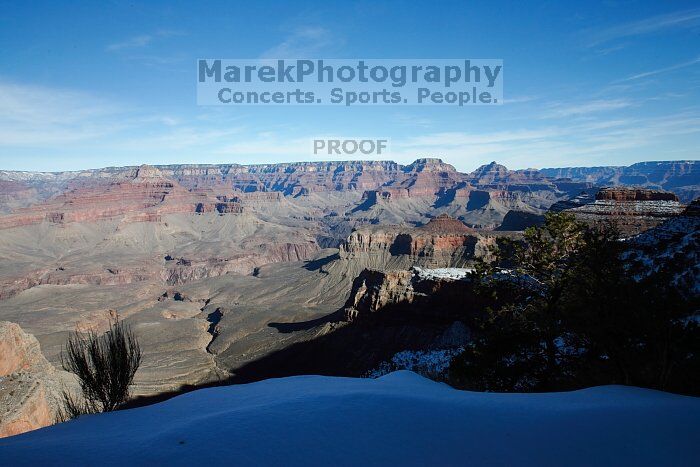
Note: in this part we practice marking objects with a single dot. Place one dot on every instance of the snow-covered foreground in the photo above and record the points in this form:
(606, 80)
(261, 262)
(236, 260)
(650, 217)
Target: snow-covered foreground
(399, 419)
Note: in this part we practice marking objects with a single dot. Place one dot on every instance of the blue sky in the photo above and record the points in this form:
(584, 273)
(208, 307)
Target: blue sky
(94, 84)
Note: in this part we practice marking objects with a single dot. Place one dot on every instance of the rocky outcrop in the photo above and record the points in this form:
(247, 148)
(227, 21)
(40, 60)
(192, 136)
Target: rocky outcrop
(428, 177)
(27, 388)
(388, 311)
(222, 207)
(490, 174)
(413, 290)
(372, 290)
(632, 194)
(24, 405)
(442, 242)
(632, 210)
(20, 351)
(444, 224)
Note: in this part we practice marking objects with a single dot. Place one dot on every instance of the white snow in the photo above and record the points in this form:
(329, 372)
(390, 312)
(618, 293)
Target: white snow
(655, 248)
(443, 273)
(657, 207)
(432, 364)
(399, 419)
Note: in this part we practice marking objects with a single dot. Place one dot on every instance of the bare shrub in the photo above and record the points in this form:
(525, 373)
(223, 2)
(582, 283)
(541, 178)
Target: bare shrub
(105, 366)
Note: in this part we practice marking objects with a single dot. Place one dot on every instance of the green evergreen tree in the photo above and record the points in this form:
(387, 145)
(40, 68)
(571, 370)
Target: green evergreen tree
(583, 317)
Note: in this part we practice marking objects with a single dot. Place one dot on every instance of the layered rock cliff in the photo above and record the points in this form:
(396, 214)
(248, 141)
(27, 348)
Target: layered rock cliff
(632, 194)
(143, 197)
(442, 242)
(423, 176)
(393, 193)
(632, 210)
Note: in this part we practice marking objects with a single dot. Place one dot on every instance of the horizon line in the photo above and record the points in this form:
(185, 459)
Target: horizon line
(355, 161)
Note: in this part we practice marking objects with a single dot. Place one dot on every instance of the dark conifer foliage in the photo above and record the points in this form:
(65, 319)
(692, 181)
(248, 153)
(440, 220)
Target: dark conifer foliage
(585, 317)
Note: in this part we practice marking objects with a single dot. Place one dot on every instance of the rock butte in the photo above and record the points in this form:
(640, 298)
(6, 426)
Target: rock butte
(633, 210)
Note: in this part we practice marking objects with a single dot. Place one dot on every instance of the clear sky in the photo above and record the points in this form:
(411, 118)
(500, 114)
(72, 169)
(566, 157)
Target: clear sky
(94, 84)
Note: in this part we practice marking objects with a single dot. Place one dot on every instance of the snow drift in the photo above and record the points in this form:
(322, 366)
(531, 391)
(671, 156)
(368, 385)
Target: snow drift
(399, 419)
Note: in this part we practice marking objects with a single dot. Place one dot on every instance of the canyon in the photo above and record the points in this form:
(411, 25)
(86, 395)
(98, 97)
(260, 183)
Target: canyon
(232, 273)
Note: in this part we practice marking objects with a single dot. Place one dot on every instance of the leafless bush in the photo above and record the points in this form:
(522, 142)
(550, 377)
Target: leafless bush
(105, 366)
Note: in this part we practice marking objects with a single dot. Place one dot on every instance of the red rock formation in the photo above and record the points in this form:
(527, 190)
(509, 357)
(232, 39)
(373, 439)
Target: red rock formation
(178, 271)
(441, 242)
(228, 207)
(25, 383)
(20, 351)
(423, 178)
(393, 193)
(33, 412)
(489, 174)
(144, 197)
(445, 224)
(188, 188)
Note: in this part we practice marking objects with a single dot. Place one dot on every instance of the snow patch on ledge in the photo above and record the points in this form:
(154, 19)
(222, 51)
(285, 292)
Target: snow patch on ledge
(456, 274)
(433, 363)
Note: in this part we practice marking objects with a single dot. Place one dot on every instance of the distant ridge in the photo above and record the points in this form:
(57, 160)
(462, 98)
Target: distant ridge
(681, 177)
